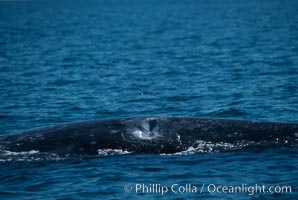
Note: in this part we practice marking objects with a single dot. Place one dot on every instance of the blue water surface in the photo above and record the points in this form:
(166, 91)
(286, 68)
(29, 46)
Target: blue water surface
(66, 61)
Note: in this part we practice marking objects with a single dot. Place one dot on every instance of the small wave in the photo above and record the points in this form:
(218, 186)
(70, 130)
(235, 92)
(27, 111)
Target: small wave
(28, 156)
(209, 147)
(10, 153)
(112, 152)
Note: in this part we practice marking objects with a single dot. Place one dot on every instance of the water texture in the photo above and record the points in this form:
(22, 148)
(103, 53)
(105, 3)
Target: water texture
(66, 61)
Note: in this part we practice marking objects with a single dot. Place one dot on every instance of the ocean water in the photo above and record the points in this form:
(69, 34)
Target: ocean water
(67, 61)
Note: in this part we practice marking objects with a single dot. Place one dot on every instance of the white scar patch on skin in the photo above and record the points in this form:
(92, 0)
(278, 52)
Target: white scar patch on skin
(147, 129)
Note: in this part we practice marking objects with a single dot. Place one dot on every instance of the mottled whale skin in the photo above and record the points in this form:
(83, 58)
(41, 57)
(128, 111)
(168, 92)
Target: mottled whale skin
(146, 135)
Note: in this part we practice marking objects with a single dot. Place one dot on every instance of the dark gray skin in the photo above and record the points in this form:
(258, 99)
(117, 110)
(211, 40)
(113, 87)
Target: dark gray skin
(146, 135)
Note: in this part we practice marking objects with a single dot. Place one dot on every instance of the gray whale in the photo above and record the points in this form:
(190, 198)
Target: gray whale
(148, 135)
